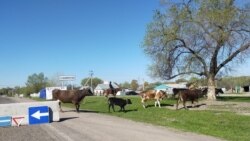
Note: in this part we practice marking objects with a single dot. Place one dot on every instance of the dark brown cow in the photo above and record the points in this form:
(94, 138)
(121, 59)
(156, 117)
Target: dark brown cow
(177, 90)
(152, 95)
(190, 95)
(109, 91)
(71, 96)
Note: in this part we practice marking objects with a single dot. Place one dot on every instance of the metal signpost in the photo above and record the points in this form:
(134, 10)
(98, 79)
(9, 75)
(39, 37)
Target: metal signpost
(65, 78)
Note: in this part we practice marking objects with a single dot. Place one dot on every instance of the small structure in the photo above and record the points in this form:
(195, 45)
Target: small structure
(46, 93)
(162, 87)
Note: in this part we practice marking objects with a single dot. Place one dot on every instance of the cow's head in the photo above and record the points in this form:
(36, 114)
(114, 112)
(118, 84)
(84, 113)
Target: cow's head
(129, 101)
(162, 94)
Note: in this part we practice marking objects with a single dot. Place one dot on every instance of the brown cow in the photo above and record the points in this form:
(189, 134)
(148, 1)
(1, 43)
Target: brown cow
(191, 95)
(71, 96)
(152, 95)
(109, 91)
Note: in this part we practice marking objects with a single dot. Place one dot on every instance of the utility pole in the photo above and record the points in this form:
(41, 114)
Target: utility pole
(91, 76)
(143, 87)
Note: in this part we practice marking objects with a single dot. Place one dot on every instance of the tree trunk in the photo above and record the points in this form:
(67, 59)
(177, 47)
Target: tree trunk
(211, 88)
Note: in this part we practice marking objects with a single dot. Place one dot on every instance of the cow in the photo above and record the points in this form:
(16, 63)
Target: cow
(177, 90)
(152, 95)
(112, 101)
(71, 96)
(190, 95)
(217, 91)
(109, 91)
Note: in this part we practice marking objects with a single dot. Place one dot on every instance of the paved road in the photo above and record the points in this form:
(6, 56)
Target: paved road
(89, 126)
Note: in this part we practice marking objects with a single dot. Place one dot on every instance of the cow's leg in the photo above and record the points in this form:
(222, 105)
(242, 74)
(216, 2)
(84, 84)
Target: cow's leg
(123, 108)
(143, 103)
(109, 107)
(159, 103)
(113, 107)
(184, 104)
(197, 103)
(177, 103)
(60, 106)
(77, 108)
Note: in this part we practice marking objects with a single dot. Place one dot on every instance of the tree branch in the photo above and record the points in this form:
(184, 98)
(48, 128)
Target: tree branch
(182, 73)
(241, 49)
(195, 54)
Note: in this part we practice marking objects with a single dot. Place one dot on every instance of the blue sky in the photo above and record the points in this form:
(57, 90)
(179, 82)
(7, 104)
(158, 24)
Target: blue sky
(72, 37)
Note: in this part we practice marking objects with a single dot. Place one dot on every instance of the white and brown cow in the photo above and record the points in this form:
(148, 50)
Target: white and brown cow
(152, 95)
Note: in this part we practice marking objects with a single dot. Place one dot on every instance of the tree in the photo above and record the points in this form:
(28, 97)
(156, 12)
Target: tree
(134, 85)
(95, 81)
(36, 82)
(125, 85)
(201, 37)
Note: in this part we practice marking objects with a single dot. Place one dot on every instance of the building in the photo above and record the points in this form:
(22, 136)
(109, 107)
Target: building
(169, 87)
(101, 87)
(46, 93)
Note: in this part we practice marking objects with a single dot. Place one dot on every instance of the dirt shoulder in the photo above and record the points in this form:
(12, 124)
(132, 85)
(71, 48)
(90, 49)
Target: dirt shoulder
(242, 108)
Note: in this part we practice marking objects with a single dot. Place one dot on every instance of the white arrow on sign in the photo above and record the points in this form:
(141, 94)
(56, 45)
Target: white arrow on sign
(38, 115)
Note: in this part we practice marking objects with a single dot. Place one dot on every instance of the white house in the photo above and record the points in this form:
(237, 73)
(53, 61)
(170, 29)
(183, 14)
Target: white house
(101, 87)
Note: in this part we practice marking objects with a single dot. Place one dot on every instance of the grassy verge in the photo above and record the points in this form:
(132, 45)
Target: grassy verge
(226, 125)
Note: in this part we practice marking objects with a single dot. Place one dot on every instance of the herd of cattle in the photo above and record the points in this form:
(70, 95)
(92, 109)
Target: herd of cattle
(76, 96)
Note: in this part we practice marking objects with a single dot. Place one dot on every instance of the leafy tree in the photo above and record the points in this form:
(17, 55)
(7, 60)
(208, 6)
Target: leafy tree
(151, 86)
(95, 81)
(7, 91)
(134, 85)
(125, 85)
(201, 37)
(36, 82)
(146, 84)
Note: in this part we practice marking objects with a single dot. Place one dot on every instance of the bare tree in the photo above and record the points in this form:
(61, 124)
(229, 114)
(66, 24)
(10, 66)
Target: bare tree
(202, 37)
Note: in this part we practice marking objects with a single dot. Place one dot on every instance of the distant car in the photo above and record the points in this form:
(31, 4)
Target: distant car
(131, 93)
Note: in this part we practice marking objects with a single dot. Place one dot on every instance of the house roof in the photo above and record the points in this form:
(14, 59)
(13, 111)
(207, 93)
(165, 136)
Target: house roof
(177, 85)
(161, 87)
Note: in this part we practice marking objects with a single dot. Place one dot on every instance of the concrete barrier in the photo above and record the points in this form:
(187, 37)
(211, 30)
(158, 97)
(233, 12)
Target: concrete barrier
(20, 111)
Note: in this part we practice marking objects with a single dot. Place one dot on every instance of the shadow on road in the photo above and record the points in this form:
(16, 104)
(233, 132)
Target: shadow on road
(68, 118)
(195, 106)
(162, 105)
(82, 111)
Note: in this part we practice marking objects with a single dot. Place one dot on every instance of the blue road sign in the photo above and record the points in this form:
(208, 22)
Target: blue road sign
(38, 115)
(5, 121)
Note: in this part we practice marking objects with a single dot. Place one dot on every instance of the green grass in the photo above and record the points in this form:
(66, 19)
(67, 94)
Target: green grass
(226, 125)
